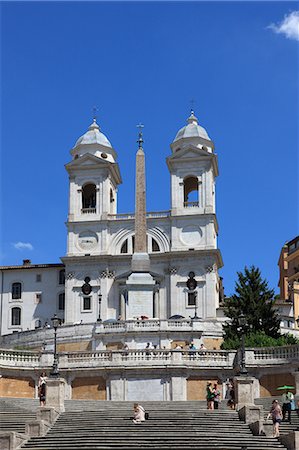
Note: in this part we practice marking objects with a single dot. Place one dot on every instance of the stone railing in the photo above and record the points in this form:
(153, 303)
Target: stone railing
(260, 357)
(130, 216)
(149, 325)
(272, 355)
(18, 358)
(150, 357)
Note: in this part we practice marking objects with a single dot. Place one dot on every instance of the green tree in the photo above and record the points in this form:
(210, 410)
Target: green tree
(254, 300)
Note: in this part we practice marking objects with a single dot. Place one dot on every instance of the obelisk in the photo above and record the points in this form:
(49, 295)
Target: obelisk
(140, 283)
(140, 260)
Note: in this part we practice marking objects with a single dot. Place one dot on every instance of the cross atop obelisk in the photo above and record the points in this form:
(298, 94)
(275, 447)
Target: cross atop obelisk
(140, 200)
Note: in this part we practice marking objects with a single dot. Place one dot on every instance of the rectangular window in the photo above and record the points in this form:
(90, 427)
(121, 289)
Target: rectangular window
(61, 301)
(38, 277)
(86, 303)
(16, 291)
(16, 316)
(38, 297)
(191, 298)
(61, 276)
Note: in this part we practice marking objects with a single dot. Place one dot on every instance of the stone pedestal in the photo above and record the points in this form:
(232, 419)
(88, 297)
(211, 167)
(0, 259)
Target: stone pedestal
(47, 414)
(244, 392)
(55, 393)
(140, 295)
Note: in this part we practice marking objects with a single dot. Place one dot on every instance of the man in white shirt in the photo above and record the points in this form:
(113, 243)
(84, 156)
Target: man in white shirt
(287, 399)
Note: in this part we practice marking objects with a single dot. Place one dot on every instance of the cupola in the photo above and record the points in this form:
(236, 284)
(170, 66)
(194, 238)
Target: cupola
(192, 134)
(95, 143)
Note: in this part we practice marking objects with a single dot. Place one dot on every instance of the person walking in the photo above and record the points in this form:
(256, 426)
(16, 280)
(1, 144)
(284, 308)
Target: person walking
(276, 415)
(216, 392)
(139, 413)
(210, 396)
(42, 389)
(287, 399)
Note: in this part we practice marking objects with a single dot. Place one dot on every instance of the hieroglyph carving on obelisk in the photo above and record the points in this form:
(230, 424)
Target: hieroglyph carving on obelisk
(140, 204)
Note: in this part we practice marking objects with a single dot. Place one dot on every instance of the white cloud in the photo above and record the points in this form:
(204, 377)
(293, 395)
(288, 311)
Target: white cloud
(289, 26)
(23, 246)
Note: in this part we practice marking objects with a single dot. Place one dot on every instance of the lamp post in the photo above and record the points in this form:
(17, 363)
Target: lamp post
(56, 321)
(195, 307)
(242, 324)
(100, 305)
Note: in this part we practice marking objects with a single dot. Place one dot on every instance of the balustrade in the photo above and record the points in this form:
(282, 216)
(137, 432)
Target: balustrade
(130, 216)
(258, 357)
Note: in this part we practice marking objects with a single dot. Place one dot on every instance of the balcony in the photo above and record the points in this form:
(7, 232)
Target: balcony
(131, 216)
(191, 204)
(88, 210)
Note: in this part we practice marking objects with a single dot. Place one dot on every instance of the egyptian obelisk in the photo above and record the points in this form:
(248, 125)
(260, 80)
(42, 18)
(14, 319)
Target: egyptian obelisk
(140, 283)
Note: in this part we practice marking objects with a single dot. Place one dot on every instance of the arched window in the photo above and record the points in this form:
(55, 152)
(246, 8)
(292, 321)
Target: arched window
(62, 276)
(124, 247)
(88, 198)
(191, 192)
(155, 245)
(16, 291)
(61, 301)
(111, 196)
(16, 316)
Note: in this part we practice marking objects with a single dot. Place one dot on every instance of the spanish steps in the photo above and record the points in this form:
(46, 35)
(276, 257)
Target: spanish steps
(103, 425)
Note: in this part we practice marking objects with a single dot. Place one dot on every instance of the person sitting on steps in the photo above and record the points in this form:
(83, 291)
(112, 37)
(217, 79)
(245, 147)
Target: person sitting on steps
(139, 413)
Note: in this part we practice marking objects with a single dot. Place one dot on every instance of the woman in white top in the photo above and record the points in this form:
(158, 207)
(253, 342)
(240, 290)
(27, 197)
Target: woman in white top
(139, 413)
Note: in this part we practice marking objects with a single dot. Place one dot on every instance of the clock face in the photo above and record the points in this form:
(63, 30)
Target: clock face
(87, 240)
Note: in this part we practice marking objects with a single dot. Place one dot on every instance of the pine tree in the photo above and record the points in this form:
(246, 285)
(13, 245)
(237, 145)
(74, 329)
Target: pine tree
(254, 300)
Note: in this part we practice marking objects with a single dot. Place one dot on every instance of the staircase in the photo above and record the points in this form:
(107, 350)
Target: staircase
(94, 425)
(13, 417)
(285, 427)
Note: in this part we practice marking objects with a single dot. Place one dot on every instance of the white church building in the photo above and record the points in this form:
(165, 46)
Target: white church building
(98, 279)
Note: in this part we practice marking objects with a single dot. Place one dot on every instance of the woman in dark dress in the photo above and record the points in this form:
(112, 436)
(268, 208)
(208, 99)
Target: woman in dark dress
(42, 389)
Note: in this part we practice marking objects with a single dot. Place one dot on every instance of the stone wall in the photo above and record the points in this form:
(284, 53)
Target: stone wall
(74, 346)
(89, 388)
(16, 387)
(270, 382)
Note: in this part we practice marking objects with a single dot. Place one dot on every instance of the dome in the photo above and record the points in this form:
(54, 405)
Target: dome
(192, 130)
(93, 136)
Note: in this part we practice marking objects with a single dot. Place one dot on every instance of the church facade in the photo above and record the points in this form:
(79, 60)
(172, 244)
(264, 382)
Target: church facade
(92, 283)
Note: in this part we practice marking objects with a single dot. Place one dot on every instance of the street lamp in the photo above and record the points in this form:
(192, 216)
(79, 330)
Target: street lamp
(56, 321)
(242, 324)
(195, 317)
(100, 305)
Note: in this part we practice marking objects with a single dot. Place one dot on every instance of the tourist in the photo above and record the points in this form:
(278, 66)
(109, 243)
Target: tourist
(216, 392)
(276, 415)
(210, 396)
(42, 389)
(125, 349)
(230, 395)
(139, 413)
(202, 347)
(287, 399)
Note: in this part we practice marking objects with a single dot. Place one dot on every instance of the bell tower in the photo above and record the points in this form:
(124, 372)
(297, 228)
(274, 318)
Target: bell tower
(94, 178)
(193, 169)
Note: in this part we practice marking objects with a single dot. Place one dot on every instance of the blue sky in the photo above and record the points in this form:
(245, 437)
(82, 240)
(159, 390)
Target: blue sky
(144, 62)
